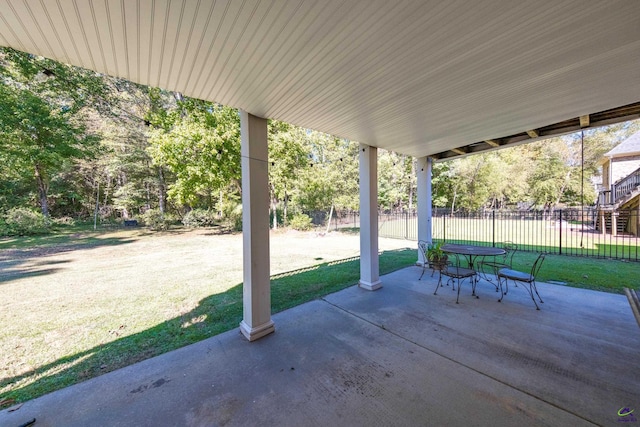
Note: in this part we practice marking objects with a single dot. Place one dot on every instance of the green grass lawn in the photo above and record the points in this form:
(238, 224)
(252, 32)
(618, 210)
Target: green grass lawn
(78, 305)
(83, 303)
(581, 272)
(531, 235)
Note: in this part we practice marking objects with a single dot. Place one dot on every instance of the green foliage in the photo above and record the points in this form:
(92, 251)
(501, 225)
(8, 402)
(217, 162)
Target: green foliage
(24, 222)
(43, 109)
(74, 142)
(301, 222)
(65, 221)
(232, 215)
(199, 218)
(201, 147)
(435, 252)
(396, 181)
(156, 220)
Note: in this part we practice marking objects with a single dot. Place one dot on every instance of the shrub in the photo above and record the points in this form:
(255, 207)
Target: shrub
(233, 216)
(199, 218)
(23, 222)
(156, 220)
(64, 220)
(301, 222)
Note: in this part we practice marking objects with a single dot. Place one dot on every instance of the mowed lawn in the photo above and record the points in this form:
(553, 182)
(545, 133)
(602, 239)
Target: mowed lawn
(93, 302)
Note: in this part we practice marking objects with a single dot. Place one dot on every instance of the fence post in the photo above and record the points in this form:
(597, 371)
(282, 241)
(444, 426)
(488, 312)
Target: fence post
(560, 250)
(406, 225)
(444, 228)
(493, 227)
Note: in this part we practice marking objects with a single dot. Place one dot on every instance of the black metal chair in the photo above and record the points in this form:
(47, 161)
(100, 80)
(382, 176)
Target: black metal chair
(454, 271)
(495, 263)
(527, 279)
(423, 246)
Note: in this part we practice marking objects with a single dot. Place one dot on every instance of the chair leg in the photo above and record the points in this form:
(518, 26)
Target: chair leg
(530, 288)
(439, 284)
(535, 288)
(423, 268)
(501, 291)
(474, 283)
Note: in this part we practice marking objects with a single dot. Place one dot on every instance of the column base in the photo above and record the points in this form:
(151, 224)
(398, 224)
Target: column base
(253, 334)
(370, 286)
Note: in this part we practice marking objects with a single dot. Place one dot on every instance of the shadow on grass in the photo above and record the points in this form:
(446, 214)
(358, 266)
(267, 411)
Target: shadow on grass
(213, 315)
(20, 263)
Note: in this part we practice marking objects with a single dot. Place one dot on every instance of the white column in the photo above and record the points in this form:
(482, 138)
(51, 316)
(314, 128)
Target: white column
(424, 203)
(256, 321)
(369, 262)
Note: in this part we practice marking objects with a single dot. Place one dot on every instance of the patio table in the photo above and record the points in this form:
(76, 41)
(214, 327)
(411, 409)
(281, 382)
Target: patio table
(472, 251)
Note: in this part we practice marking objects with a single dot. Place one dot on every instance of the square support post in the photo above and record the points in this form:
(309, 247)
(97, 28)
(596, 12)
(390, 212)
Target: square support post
(425, 211)
(369, 262)
(256, 321)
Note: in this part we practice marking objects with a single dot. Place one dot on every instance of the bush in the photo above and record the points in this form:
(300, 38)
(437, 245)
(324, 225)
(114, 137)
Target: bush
(24, 222)
(64, 221)
(156, 220)
(232, 214)
(199, 218)
(301, 222)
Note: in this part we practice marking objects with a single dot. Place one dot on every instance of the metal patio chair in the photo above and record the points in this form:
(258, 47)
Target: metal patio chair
(424, 248)
(494, 264)
(422, 245)
(454, 271)
(527, 279)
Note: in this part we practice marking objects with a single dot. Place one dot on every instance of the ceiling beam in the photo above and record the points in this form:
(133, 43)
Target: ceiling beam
(584, 121)
(602, 118)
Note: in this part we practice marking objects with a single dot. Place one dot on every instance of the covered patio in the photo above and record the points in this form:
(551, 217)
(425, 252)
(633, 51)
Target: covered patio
(399, 356)
(430, 79)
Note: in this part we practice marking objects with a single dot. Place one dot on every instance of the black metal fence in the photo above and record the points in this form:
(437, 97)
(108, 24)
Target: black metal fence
(574, 232)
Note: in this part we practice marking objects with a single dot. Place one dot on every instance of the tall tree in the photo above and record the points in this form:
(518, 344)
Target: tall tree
(199, 143)
(42, 103)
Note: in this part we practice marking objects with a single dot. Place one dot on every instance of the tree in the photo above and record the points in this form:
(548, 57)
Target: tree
(288, 157)
(42, 103)
(39, 138)
(199, 143)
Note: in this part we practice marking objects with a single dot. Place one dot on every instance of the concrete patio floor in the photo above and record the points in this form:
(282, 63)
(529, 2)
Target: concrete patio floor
(399, 356)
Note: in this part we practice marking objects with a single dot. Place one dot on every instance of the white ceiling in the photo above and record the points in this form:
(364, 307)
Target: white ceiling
(417, 76)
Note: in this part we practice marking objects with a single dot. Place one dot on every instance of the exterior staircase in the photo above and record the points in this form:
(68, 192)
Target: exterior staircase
(620, 205)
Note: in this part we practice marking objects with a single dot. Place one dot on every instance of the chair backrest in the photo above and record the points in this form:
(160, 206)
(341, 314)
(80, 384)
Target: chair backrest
(423, 246)
(537, 264)
(510, 249)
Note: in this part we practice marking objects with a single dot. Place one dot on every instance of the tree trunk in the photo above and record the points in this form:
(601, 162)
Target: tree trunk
(273, 207)
(161, 191)
(413, 173)
(275, 214)
(453, 202)
(563, 188)
(42, 190)
(95, 213)
(286, 199)
(329, 220)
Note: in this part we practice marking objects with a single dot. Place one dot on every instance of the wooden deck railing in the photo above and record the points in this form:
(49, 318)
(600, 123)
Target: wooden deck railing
(620, 189)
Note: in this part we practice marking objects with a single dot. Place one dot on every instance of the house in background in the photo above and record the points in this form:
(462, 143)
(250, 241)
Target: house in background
(619, 199)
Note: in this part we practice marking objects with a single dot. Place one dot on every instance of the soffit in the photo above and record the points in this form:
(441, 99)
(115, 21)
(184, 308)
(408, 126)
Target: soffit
(418, 77)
